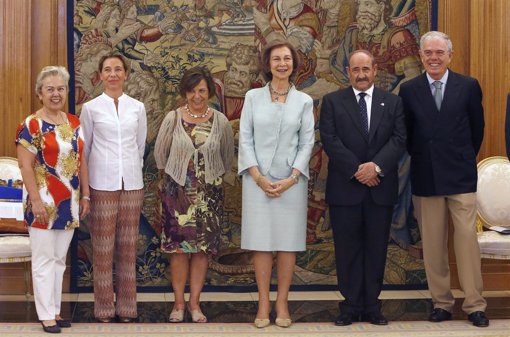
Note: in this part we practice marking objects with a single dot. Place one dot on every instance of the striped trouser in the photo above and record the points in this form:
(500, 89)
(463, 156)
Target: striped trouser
(114, 220)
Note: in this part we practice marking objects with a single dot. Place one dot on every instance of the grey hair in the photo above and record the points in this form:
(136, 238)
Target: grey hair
(432, 35)
(51, 71)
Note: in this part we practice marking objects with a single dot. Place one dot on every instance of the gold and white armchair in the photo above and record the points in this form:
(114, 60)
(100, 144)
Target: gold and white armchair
(493, 204)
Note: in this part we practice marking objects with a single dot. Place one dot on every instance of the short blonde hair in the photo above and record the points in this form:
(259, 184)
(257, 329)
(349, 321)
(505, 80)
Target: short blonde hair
(51, 71)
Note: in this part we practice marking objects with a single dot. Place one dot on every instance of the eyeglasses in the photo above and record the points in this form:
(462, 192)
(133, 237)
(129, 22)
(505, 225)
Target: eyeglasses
(439, 53)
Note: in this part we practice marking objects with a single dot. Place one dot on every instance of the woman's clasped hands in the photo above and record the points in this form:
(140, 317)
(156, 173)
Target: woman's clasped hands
(274, 189)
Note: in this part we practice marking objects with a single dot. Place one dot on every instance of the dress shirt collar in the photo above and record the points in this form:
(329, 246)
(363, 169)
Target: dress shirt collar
(442, 79)
(105, 95)
(369, 91)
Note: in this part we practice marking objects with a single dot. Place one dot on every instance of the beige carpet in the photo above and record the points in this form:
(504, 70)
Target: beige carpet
(394, 329)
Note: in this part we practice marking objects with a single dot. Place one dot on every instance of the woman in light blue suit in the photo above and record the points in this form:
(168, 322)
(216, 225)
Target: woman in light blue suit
(275, 143)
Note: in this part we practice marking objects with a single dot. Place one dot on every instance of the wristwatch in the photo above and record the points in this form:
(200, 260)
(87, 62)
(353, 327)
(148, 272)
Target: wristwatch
(378, 170)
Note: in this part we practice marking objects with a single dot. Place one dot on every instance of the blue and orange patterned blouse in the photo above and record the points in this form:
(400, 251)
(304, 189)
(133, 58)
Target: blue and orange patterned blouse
(58, 150)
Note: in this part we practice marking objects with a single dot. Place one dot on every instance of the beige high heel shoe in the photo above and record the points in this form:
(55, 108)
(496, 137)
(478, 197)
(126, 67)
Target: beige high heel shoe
(261, 322)
(197, 316)
(283, 322)
(177, 315)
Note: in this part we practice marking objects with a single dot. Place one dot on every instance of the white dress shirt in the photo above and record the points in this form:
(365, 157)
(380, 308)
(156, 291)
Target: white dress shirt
(443, 81)
(368, 99)
(114, 143)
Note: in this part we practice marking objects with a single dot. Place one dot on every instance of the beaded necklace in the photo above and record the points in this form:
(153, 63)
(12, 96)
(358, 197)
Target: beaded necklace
(188, 111)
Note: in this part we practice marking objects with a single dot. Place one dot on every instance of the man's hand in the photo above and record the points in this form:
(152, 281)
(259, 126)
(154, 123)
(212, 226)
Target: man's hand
(367, 175)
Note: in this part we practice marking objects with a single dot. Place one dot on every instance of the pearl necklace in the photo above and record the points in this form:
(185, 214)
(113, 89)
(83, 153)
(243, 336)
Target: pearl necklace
(188, 111)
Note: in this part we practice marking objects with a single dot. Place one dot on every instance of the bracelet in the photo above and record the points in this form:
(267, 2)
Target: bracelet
(295, 177)
(86, 197)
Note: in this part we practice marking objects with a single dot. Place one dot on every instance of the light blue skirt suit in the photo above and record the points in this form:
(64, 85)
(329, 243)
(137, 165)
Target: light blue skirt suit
(276, 137)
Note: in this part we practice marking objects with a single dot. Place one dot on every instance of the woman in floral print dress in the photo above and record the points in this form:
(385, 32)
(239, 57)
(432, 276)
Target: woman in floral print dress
(194, 149)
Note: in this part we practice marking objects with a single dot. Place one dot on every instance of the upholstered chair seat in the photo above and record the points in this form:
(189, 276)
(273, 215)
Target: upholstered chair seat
(493, 202)
(14, 240)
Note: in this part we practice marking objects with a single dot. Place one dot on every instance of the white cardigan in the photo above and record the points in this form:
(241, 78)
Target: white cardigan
(174, 148)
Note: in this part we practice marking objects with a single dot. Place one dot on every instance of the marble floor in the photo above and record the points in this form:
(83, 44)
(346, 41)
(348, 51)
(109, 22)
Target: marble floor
(321, 306)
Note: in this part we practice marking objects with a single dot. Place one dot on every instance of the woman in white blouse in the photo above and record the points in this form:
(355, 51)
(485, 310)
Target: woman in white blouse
(115, 129)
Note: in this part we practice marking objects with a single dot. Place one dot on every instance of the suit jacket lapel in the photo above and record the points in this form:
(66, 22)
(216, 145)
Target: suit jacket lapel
(352, 107)
(424, 93)
(377, 111)
(450, 93)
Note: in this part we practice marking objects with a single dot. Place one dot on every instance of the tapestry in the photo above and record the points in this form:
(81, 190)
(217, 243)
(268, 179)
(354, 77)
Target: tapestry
(163, 38)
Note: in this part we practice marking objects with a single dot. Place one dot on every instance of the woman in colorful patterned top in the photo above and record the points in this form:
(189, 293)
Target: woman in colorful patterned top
(49, 147)
(193, 150)
(115, 129)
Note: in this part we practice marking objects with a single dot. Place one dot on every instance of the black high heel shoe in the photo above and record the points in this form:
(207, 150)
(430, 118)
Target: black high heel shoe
(51, 329)
(63, 323)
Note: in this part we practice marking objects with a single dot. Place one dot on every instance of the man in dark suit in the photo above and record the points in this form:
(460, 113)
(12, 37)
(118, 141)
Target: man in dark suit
(363, 133)
(445, 125)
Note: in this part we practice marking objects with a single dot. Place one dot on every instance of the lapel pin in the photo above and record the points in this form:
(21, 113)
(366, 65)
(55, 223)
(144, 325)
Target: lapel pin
(382, 104)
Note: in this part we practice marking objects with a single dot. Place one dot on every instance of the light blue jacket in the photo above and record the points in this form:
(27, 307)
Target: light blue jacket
(276, 137)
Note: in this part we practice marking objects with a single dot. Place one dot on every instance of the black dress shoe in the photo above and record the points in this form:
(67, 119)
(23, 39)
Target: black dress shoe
(439, 315)
(375, 318)
(479, 319)
(51, 329)
(63, 323)
(345, 319)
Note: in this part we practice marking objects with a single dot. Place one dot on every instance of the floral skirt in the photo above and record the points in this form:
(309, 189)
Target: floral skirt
(191, 216)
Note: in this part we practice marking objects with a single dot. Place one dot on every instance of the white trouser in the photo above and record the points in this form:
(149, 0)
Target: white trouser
(49, 250)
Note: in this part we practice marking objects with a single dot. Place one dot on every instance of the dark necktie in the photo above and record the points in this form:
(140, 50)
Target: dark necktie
(438, 94)
(363, 112)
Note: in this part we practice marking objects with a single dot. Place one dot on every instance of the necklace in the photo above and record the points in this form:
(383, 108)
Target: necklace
(277, 94)
(51, 118)
(64, 130)
(188, 111)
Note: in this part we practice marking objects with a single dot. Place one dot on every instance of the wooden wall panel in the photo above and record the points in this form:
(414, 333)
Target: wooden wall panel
(32, 35)
(49, 44)
(452, 20)
(15, 69)
(480, 32)
(490, 52)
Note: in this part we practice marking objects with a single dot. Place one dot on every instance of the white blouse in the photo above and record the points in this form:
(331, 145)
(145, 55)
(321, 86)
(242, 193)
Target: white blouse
(114, 143)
